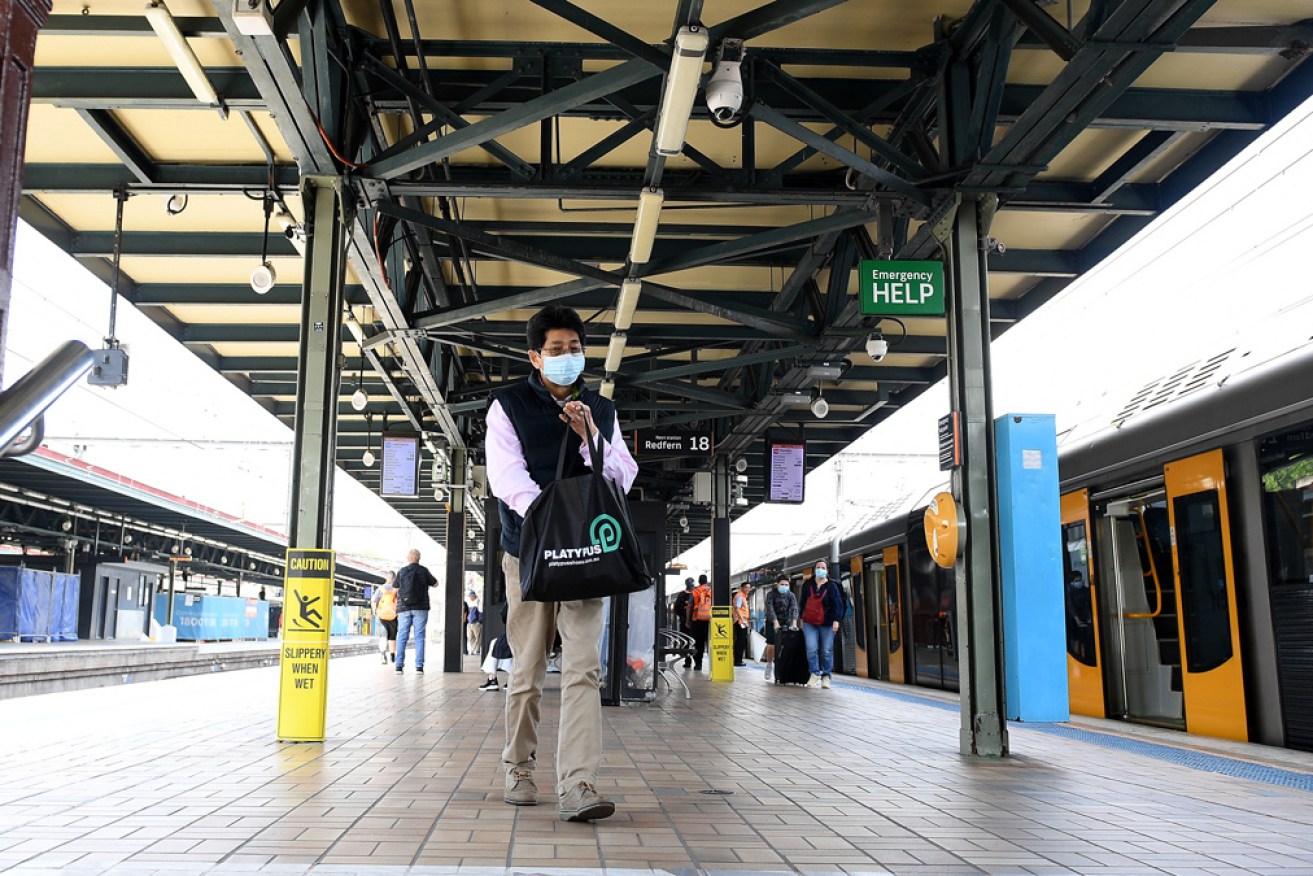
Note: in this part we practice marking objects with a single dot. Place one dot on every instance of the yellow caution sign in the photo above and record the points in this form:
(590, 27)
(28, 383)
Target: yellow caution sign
(721, 639)
(303, 658)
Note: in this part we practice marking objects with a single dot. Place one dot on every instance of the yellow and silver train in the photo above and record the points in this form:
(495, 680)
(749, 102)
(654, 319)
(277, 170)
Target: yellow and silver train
(1187, 535)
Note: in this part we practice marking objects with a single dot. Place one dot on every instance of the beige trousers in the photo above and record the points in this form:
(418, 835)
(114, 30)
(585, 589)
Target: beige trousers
(474, 638)
(530, 628)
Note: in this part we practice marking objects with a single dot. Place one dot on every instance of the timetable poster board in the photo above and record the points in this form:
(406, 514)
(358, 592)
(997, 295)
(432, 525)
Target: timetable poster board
(786, 471)
(400, 465)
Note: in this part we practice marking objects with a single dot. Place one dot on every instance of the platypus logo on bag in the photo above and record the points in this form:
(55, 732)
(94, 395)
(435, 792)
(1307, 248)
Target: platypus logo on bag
(605, 532)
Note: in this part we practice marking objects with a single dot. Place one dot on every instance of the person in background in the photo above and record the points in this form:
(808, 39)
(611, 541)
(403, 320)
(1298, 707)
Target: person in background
(781, 611)
(384, 604)
(527, 423)
(499, 659)
(739, 605)
(473, 624)
(683, 602)
(413, 583)
(822, 607)
(700, 619)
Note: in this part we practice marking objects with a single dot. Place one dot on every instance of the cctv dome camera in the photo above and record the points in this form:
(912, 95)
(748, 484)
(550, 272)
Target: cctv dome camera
(263, 278)
(877, 347)
(725, 91)
(683, 522)
(820, 407)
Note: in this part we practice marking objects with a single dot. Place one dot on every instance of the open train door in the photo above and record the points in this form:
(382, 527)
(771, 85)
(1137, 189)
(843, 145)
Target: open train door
(1080, 598)
(1213, 679)
(893, 602)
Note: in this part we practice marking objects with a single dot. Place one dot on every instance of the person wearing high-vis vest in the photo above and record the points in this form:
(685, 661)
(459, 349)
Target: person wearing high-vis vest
(700, 612)
(740, 607)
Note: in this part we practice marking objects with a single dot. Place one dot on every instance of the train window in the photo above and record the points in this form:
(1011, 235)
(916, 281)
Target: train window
(1288, 511)
(893, 608)
(1207, 616)
(1076, 593)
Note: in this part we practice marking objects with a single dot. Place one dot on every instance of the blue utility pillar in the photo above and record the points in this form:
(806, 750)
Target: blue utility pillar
(1030, 544)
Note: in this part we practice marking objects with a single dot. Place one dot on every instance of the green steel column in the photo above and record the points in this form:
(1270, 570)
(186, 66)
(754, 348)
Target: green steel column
(453, 641)
(318, 374)
(979, 625)
(720, 490)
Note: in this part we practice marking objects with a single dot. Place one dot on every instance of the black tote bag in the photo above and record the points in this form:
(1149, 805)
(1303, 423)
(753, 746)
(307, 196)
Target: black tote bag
(577, 541)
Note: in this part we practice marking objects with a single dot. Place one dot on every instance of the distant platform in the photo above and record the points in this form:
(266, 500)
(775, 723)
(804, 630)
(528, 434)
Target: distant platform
(29, 668)
(184, 776)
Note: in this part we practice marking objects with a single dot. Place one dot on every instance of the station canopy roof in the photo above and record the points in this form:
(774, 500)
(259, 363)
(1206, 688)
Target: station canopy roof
(495, 152)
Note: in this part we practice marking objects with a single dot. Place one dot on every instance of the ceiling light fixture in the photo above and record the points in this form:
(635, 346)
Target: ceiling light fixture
(795, 399)
(368, 456)
(157, 14)
(359, 398)
(615, 352)
(681, 89)
(624, 309)
(645, 225)
(607, 389)
(820, 407)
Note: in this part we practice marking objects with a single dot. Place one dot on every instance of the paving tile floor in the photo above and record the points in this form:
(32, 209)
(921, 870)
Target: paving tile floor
(185, 776)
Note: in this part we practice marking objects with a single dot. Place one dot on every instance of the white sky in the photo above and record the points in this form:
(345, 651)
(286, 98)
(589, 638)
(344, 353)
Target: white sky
(177, 424)
(1227, 264)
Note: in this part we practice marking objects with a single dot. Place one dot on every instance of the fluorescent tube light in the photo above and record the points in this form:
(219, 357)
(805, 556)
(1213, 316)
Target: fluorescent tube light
(624, 311)
(681, 89)
(615, 352)
(795, 399)
(183, 57)
(645, 225)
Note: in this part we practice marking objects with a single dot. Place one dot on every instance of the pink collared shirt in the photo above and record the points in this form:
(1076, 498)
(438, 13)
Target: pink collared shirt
(509, 478)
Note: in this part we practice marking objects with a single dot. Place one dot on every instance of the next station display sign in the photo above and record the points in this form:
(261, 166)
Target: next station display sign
(786, 470)
(901, 288)
(400, 465)
(651, 443)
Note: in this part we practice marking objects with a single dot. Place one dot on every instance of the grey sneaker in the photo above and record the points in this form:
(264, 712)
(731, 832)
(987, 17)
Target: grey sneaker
(520, 789)
(583, 803)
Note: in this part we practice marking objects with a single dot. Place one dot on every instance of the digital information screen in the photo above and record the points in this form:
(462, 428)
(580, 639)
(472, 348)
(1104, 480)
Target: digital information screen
(400, 465)
(785, 471)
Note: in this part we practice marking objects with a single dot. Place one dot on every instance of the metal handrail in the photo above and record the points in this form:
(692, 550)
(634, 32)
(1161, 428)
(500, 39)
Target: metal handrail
(22, 404)
(1152, 573)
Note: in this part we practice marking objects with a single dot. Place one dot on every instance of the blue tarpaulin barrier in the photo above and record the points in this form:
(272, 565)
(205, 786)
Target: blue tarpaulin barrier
(215, 617)
(38, 605)
(341, 621)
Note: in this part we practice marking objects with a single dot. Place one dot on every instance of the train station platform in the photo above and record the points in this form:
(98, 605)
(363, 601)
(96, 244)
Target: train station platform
(184, 776)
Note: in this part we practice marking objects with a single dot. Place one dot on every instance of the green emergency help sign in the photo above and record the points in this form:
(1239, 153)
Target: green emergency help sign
(901, 288)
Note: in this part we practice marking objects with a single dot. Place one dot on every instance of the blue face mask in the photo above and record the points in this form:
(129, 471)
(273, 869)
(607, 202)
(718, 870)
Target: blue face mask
(563, 370)
(784, 588)
(821, 574)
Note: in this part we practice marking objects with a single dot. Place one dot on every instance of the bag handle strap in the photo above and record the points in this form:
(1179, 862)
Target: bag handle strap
(594, 453)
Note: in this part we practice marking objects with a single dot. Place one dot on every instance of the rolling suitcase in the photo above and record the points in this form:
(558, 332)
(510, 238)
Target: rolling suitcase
(791, 658)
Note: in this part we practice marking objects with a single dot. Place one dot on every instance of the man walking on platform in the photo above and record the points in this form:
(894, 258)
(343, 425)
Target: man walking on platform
(527, 422)
(701, 615)
(683, 605)
(413, 583)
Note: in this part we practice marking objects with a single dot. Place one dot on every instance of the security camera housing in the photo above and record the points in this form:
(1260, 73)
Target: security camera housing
(877, 347)
(725, 91)
(263, 278)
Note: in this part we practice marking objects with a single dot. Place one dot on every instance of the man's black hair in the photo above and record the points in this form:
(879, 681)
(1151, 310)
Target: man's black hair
(553, 316)
(784, 578)
(688, 582)
(702, 579)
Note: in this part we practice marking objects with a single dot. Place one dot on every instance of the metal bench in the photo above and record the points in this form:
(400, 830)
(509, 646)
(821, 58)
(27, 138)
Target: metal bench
(675, 647)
